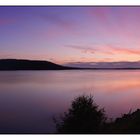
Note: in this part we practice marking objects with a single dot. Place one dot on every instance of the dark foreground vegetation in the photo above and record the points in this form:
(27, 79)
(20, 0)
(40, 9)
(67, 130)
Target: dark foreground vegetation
(85, 117)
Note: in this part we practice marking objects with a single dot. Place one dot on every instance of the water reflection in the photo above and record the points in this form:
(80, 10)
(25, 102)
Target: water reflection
(29, 99)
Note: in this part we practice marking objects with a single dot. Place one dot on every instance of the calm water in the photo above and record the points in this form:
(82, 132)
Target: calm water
(30, 99)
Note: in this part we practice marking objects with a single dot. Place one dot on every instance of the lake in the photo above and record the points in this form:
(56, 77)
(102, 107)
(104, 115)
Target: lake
(30, 99)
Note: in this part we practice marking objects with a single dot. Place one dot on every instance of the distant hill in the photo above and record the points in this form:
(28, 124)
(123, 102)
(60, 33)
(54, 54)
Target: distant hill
(105, 65)
(21, 64)
(15, 64)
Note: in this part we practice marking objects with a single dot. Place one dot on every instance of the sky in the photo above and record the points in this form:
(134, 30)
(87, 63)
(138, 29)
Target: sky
(70, 34)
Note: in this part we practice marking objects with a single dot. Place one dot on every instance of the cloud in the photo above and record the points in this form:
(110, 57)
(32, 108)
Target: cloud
(123, 50)
(6, 21)
(59, 26)
(100, 13)
(83, 49)
(119, 64)
(58, 20)
(92, 49)
(109, 49)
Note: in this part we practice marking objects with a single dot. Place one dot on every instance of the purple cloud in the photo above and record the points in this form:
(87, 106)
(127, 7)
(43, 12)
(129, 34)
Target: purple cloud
(6, 21)
(83, 49)
(54, 18)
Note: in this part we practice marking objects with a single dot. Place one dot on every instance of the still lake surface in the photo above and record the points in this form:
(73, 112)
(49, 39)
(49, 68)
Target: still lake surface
(30, 99)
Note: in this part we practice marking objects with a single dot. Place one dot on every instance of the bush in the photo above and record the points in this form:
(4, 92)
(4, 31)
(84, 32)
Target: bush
(83, 117)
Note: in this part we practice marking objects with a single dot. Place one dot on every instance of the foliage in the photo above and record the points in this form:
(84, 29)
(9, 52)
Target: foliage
(83, 117)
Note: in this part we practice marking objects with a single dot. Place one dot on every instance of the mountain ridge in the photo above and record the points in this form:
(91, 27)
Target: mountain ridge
(106, 65)
(24, 64)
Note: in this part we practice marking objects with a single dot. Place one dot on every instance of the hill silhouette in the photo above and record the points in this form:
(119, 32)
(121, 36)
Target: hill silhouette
(23, 64)
(17, 64)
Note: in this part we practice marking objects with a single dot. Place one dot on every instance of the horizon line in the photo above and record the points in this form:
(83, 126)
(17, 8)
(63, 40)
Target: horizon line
(69, 61)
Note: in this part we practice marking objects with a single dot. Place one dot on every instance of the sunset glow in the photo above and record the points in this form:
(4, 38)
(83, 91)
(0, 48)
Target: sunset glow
(70, 34)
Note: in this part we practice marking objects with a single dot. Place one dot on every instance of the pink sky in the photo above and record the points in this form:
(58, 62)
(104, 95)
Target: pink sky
(70, 34)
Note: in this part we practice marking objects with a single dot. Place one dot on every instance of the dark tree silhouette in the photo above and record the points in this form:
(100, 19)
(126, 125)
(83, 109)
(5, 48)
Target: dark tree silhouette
(127, 123)
(83, 117)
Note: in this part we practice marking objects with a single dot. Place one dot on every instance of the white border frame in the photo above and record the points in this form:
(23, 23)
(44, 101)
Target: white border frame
(69, 3)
